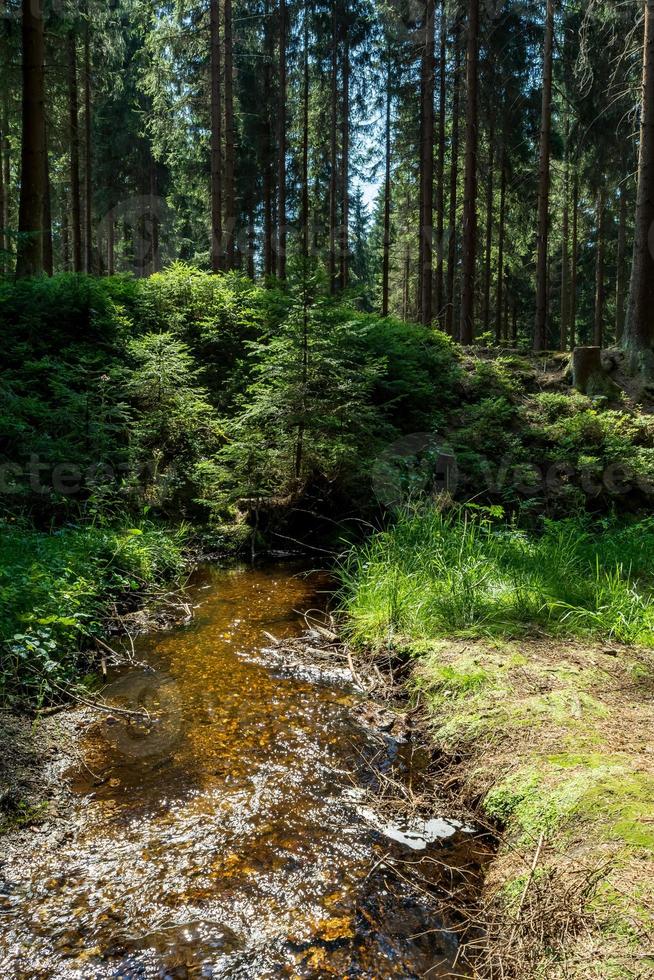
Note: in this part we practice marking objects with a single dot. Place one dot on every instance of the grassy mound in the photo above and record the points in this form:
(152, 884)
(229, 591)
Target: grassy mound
(521, 656)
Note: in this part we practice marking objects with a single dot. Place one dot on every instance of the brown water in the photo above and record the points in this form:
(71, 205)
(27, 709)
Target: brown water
(228, 837)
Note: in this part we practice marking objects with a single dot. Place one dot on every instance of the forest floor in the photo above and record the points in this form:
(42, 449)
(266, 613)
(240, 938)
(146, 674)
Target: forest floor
(552, 742)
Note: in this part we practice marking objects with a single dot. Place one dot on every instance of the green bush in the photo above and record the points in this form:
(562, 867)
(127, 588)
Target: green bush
(56, 592)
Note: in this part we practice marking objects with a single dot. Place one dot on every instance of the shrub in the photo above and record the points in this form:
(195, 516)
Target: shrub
(56, 591)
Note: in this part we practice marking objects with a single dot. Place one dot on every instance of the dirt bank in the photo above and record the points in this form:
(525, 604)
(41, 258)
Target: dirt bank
(551, 745)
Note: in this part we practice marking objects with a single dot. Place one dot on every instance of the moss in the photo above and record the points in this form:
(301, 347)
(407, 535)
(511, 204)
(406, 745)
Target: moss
(625, 801)
(21, 814)
(543, 796)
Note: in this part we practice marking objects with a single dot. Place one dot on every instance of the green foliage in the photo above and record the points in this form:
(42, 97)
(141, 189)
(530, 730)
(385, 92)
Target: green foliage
(435, 574)
(175, 427)
(120, 392)
(306, 416)
(330, 389)
(56, 592)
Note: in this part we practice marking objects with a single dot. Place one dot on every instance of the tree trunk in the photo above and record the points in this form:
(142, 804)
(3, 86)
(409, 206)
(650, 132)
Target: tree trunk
(268, 269)
(345, 163)
(73, 128)
(5, 165)
(333, 162)
(230, 191)
(639, 333)
(454, 184)
(48, 257)
(407, 279)
(386, 244)
(564, 331)
(304, 217)
(598, 330)
(621, 283)
(4, 192)
(217, 254)
(466, 331)
(252, 244)
(575, 262)
(154, 215)
(88, 148)
(111, 262)
(541, 326)
(500, 248)
(489, 224)
(440, 171)
(427, 165)
(588, 375)
(29, 259)
(281, 147)
(65, 235)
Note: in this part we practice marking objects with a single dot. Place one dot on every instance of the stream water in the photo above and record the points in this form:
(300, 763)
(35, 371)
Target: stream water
(229, 837)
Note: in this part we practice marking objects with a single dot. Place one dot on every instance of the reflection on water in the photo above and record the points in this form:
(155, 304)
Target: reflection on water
(219, 836)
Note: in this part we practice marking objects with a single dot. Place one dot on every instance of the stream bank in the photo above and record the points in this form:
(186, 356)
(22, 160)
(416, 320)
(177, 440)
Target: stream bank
(246, 826)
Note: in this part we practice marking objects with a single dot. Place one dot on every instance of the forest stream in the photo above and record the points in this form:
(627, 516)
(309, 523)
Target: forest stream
(236, 835)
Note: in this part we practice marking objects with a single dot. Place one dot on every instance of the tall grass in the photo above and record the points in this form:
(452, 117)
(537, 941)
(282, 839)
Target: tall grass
(439, 574)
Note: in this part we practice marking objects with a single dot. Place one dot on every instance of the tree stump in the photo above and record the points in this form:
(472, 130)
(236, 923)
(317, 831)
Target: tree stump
(588, 375)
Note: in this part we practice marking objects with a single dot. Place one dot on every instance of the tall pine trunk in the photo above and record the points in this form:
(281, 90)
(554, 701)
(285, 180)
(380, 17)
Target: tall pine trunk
(268, 269)
(333, 162)
(111, 261)
(454, 184)
(386, 243)
(621, 281)
(466, 331)
(440, 166)
(427, 165)
(5, 164)
(564, 331)
(489, 223)
(48, 256)
(499, 333)
(345, 161)
(575, 262)
(304, 215)
(281, 147)
(230, 167)
(217, 255)
(29, 259)
(598, 329)
(4, 193)
(639, 332)
(88, 155)
(73, 130)
(154, 215)
(541, 325)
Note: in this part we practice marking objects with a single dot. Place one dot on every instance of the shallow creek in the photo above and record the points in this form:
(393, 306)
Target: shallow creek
(233, 836)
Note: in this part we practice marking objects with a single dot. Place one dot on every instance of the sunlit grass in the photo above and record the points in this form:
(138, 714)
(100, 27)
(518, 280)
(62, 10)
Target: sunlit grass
(437, 574)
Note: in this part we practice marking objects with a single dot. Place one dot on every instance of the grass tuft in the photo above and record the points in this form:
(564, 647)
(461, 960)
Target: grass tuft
(437, 574)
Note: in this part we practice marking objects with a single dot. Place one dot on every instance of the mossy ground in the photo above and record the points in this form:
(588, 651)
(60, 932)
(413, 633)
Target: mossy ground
(556, 744)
